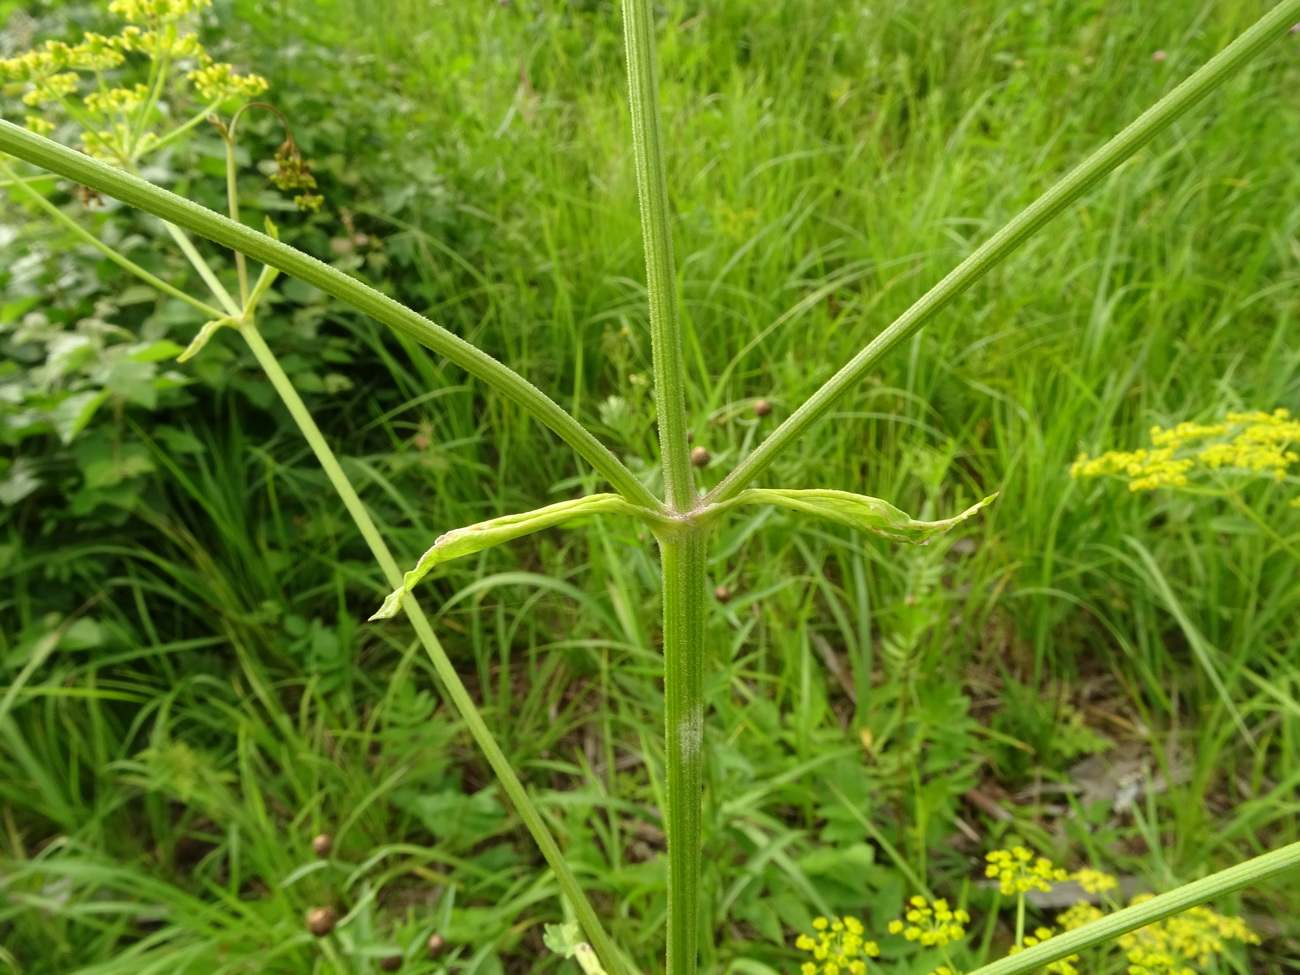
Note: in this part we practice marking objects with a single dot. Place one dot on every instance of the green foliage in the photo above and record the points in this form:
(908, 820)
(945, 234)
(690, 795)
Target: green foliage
(487, 174)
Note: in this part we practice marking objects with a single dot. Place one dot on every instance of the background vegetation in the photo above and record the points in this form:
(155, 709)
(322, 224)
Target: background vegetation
(190, 694)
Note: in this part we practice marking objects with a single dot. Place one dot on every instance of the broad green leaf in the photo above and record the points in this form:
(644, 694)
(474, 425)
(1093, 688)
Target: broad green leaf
(855, 511)
(72, 413)
(133, 380)
(487, 534)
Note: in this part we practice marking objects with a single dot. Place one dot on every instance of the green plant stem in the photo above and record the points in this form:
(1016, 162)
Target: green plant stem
(1020, 917)
(661, 277)
(123, 262)
(232, 196)
(1139, 915)
(684, 560)
(1147, 126)
(460, 697)
(200, 264)
(174, 209)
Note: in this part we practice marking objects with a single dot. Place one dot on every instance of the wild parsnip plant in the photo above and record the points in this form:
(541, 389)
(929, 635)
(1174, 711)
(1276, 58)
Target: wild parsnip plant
(681, 520)
(1182, 944)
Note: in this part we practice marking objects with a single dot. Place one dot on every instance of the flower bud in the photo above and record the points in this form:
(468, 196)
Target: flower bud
(321, 921)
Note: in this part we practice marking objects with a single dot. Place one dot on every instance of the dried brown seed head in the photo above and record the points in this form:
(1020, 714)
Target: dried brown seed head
(700, 457)
(321, 920)
(322, 845)
(722, 594)
(390, 964)
(762, 408)
(436, 945)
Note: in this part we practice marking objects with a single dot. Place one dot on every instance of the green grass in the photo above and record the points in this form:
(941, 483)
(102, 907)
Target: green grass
(169, 754)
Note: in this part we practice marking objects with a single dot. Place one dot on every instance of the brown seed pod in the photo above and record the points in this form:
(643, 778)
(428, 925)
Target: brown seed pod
(390, 964)
(321, 920)
(436, 945)
(322, 845)
(722, 594)
(762, 408)
(700, 457)
(690, 436)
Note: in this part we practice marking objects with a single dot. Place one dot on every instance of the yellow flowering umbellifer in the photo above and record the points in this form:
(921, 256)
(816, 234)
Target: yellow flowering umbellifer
(1094, 881)
(837, 948)
(217, 82)
(122, 121)
(156, 12)
(1079, 915)
(1247, 443)
(1172, 946)
(932, 924)
(1017, 870)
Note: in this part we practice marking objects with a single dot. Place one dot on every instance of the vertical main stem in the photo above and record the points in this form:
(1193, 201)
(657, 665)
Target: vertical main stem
(683, 555)
(661, 276)
(684, 561)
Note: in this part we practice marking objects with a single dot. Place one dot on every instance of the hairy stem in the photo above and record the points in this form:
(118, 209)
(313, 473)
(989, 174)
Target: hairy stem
(1139, 915)
(1151, 123)
(142, 195)
(684, 560)
(460, 697)
(661, 278)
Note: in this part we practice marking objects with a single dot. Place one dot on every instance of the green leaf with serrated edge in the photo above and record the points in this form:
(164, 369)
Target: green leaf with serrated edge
(855, 511)
(487, 534)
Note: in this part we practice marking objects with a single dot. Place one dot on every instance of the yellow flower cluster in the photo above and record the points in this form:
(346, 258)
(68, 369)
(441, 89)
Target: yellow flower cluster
(1165, 948)
(1080, 914)
(49, 77)
(121, 100)
(156, 11)
(217, 82)
(1094, 881)
(1254, 442)
(838, 948)
(1017, 870)
(932, 924)
(158, 44)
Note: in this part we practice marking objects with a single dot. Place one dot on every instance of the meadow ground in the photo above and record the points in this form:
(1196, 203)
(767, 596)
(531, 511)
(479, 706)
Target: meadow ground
(879, 717)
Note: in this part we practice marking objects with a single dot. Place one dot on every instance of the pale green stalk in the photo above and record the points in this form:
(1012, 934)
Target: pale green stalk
(683, 553)
(1148, 912)
(207, 223)
(1148, 125)
(200, 264)
(460, 697)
